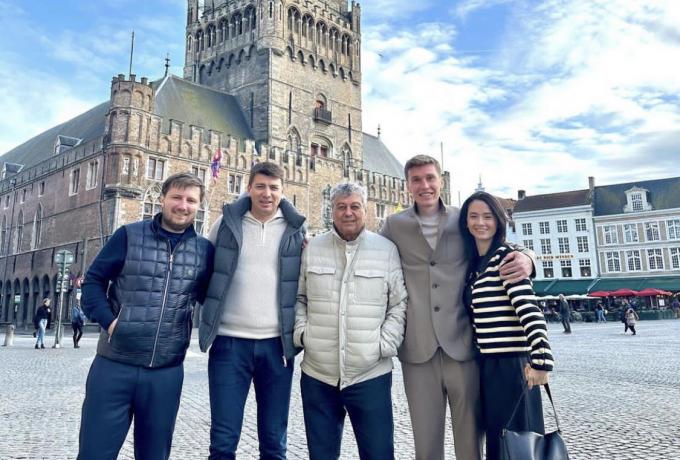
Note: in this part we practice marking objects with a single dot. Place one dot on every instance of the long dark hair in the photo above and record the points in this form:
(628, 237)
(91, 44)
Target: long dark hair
(498, 214)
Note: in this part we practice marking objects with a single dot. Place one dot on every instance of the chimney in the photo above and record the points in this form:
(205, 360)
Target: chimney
(521, 194)
(591, 183)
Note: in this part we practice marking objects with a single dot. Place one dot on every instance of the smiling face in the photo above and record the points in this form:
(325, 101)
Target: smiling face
(178, 208)
(424, 184)
(481, 222)
(349, 216)
(265, 195)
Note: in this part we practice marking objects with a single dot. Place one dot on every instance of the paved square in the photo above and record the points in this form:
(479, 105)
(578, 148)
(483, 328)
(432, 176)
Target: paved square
(618, 398)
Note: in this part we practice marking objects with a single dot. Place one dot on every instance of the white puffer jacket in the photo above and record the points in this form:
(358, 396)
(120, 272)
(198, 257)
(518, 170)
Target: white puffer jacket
(351, 307)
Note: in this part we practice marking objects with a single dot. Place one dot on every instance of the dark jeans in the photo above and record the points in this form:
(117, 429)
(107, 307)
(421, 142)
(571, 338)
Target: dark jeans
(369, 405)
(233, 364)
(502, 384)
(565, 323)
(77, 333)
(115, 394)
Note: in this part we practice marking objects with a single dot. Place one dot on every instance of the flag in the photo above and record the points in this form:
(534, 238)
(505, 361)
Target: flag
(215, 164)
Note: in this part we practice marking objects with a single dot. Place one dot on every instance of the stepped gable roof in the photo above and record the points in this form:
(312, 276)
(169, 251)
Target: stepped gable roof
(553, 200)
(86, 127)
(378, 158)
(197, 105)
(663, 194)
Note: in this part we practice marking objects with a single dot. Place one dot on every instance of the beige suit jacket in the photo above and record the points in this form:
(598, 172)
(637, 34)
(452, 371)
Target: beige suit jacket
(435, 313)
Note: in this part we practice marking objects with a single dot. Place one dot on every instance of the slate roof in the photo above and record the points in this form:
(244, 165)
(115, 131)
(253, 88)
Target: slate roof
(553, 200)
(197, 105)
(86, 126)
(663, 194)
(378, 158)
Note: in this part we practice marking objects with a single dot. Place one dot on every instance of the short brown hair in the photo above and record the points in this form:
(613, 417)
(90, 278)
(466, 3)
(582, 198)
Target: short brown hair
(181, 181)
(266, 168)
(421, 160)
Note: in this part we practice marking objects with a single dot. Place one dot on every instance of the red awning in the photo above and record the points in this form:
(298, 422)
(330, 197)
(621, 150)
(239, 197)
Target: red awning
(623, 293)
(652, 291)
(600, 294)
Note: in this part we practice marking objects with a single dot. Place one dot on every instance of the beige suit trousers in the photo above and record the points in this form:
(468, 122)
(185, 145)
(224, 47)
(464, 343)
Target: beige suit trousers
(428, 386)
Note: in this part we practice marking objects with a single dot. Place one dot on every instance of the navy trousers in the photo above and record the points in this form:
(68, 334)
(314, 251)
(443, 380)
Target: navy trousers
(117, 393)
(369, 405)
(502, 384)
(233, 364)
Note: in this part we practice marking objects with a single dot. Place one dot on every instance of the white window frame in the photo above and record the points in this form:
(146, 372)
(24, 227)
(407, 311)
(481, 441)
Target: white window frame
(634, 260)
(564, 266)
(675, 258)
(544, 228)
(526, 229)
(583, 264)
(673, 229)
(546, 246)
(652, 232)
(529, 244)
(655, 259)
(581, 224)
(563, 244)
(582, 244)
(630, 233)
(548, 265)
(637, 203)
(610, 234)
(562, 226)
(613, 261)
(235, 184)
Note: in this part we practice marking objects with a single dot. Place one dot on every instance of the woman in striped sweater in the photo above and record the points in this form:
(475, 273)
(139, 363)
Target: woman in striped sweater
(510, 330)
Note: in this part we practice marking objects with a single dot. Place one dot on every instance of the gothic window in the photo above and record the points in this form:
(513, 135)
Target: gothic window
(293, 143)
(347, 160)
(655, 259)
(155, 169)
(92, 173)
(20, 232)
(152, 202)
(3, 235)
(74, 182)
(37, 228)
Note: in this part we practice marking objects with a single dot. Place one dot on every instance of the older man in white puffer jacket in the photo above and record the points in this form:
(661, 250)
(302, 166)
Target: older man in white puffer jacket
(350, 317)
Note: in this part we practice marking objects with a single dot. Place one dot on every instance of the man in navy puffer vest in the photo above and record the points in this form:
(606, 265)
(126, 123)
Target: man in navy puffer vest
(248, 316)
(141, 289)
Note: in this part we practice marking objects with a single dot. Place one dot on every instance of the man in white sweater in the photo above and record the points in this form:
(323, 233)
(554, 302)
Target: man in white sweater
(248, 316)
(350, 318)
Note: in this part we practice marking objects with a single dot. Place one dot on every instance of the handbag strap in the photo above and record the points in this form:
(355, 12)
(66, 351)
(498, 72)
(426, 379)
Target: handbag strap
(523, 395)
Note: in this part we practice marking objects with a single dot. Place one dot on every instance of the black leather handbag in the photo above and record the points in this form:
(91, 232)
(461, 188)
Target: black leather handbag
(527, 445)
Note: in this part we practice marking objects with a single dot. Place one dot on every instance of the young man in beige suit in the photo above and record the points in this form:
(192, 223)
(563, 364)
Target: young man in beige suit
(437, 355)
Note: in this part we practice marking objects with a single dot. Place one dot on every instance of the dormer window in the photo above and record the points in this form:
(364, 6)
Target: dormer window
(636, 199)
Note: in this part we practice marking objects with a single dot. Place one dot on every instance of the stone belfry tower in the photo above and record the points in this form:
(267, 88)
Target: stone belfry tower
(295, 67)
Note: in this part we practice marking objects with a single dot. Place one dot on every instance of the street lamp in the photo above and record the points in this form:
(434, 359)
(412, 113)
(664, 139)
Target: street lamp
(63, 259)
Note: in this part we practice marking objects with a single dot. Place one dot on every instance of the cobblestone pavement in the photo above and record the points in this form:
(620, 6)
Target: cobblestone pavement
(618, 398)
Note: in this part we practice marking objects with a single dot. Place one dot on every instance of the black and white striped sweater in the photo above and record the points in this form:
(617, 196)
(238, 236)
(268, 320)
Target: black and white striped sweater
(506, 317)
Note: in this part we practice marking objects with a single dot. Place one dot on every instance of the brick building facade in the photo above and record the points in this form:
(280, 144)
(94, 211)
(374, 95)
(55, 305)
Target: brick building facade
(263, 81)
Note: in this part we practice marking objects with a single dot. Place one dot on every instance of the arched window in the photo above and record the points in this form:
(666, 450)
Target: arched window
(37, 228)
(152, 202)
(20, 232)
(293, 143)
(199, 221)
(347, 160)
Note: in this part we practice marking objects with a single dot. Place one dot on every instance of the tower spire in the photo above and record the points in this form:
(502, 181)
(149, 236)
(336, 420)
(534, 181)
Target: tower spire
(167, 64)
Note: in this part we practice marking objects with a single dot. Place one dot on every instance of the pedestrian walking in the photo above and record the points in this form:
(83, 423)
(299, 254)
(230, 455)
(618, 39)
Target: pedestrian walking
(438, 355)
(41, 322)
(599, 313)
(631, 318)
(248, 317)
(141, 289)
(78, 319)
(565, 314)
(350, 316)
(509, 328)
(676, 307)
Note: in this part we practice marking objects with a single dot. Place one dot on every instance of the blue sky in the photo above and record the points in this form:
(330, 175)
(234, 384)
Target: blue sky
(536, 95)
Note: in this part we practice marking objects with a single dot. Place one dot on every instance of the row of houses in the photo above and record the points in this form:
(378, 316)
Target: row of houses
(604, 237)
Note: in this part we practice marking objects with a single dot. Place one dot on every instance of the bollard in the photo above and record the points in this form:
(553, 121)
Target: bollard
(9, 335)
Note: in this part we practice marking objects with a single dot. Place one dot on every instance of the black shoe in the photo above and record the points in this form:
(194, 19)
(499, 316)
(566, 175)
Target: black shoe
(36, 346)
(76, 346)
(42, 346)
